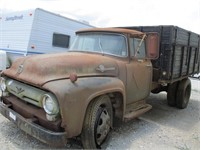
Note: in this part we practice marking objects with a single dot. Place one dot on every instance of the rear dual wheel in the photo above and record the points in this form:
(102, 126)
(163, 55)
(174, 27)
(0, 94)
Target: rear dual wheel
(97, 123)
(183, 93)
(171, 94)
(178, 93)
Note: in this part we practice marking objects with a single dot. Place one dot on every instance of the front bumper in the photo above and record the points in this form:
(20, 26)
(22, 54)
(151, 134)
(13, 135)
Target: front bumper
(28, 126)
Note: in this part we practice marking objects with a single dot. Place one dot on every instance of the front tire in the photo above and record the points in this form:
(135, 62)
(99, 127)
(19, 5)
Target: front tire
(183, 93)
(97, 123)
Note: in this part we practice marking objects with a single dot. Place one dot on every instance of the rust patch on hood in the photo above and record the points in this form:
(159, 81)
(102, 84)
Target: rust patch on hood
(40, 69)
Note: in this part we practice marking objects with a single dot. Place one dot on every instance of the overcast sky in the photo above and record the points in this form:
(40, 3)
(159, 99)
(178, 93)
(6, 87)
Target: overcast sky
(107, 13)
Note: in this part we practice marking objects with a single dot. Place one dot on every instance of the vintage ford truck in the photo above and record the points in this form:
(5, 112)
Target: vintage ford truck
(106, 76)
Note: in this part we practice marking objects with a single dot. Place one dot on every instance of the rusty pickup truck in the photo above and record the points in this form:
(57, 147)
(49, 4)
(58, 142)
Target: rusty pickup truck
(106, 76)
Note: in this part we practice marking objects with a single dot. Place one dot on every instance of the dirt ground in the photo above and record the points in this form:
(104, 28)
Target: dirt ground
(163, 127)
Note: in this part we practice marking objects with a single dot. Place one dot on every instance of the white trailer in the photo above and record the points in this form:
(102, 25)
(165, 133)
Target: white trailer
(35, 32)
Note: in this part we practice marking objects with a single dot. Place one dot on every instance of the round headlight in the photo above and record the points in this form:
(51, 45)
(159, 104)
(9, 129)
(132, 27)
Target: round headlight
(50, 104)
(2, 84)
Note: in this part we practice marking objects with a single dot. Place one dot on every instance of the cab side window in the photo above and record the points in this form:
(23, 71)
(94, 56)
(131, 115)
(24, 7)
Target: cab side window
(134, 44)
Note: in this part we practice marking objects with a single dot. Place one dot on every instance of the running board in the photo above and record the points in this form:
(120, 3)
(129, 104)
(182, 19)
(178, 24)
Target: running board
(135, 113)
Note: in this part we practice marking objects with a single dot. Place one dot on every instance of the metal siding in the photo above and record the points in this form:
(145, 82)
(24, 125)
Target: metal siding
(19, 35)
(45, 24)
(14, 34)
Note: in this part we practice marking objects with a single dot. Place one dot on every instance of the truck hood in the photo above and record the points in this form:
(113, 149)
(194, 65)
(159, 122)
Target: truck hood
(39, 69)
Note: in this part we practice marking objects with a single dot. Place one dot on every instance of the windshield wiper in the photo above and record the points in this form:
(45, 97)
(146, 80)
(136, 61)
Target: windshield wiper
(100, 46)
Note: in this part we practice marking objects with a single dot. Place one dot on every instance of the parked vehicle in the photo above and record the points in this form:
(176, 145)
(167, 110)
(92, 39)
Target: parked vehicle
(106, 76)
(35, 32)
(196, 76)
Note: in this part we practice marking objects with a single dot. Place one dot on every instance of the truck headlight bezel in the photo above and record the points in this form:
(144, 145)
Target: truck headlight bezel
(50, 104)
(2, 84)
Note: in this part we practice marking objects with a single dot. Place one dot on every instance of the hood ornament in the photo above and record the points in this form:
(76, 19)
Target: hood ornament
(102, 68)
(20, 69)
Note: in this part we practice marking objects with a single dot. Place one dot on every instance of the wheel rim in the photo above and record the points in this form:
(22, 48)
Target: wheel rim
(102, 126)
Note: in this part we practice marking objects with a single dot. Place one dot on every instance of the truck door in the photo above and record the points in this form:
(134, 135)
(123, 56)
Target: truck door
(139, 72)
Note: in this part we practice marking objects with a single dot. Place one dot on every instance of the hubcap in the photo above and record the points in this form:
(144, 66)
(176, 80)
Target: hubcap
(103, 126)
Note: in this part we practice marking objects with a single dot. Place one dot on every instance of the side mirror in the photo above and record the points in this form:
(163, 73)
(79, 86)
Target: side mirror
(152, 45)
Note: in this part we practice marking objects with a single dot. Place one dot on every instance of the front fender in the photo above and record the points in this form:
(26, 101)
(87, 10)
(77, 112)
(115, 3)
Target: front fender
(74, 98)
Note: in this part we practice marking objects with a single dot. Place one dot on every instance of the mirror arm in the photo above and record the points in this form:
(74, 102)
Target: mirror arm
(137, 50)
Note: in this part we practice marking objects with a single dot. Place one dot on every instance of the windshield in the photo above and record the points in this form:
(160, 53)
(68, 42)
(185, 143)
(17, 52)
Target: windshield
(114, 44)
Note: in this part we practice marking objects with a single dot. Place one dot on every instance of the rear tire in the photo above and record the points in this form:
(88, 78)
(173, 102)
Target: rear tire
(183, 93)
(171, 94)
(98, 122)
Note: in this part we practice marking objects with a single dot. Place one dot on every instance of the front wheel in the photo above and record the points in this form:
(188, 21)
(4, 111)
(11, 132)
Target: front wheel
(97, 123)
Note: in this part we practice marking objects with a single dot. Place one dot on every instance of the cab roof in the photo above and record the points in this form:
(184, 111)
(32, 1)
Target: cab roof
(114, 30)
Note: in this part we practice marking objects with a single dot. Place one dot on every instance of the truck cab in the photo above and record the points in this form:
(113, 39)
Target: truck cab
(128, 49)
(106, 75)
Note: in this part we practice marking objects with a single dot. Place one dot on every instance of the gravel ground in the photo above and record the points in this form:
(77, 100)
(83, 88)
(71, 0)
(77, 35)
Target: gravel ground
(163, 127)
